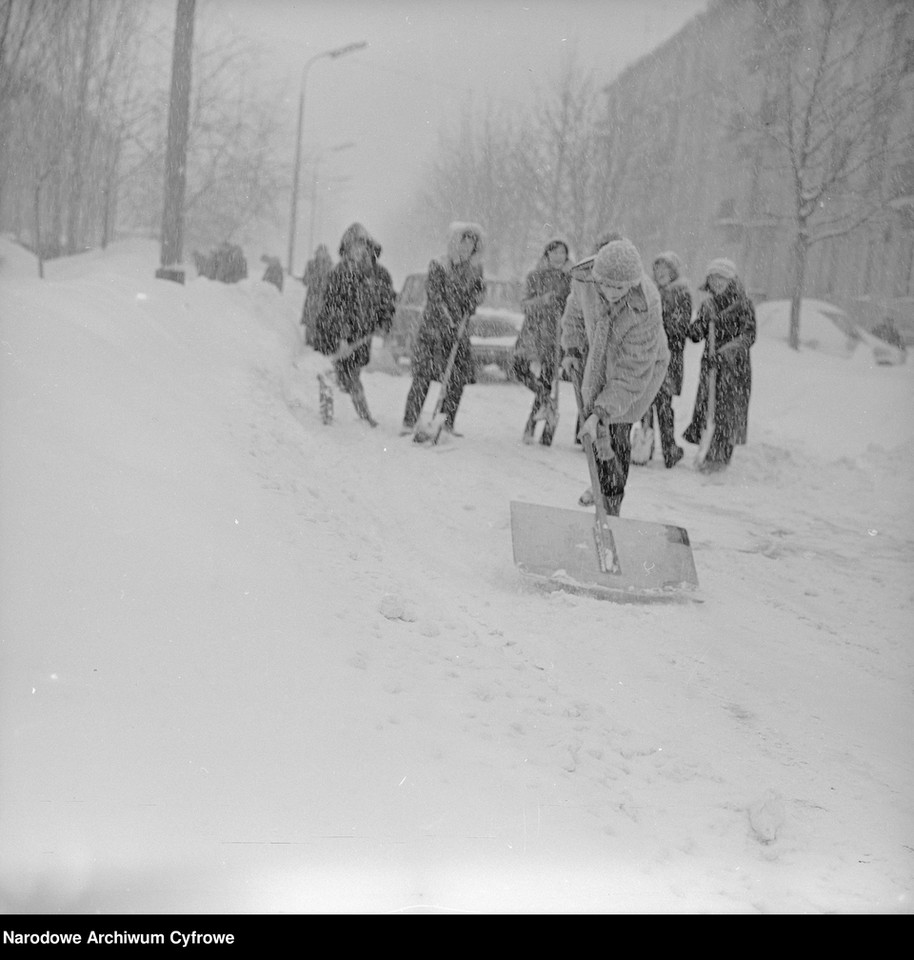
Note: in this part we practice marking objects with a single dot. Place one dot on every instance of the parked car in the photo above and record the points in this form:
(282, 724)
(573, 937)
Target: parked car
(494, 326)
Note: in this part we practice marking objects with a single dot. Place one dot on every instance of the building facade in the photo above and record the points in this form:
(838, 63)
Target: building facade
(696, 153)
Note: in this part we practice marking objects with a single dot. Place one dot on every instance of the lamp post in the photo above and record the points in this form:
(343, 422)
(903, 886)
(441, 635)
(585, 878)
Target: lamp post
(293, 215)
(314, 179)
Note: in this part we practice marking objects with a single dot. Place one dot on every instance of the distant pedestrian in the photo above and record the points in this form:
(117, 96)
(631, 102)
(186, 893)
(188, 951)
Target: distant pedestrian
(615, 348)
(454, 288)
(230, 262)
(547, 289)
(733, 316)
(676, 301)
(358, 300)
(273, 273)
(317, 270)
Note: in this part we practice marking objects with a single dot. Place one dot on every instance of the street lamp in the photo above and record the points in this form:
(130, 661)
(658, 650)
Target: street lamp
(293, 215)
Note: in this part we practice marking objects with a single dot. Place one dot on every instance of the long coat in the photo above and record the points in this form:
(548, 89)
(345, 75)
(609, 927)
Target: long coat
(547, 290)
(317, 272)
(623, 345)
(676, 302)
(734, 322)
(359, 299)
(453, 291)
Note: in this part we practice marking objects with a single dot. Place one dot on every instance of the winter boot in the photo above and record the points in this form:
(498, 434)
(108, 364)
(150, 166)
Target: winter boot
(676, 454)
(586, 498)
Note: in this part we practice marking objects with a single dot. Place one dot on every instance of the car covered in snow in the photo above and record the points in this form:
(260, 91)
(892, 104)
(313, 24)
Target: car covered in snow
(493, 328)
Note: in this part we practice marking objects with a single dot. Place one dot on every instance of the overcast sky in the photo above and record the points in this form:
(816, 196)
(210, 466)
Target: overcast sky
(426, 60)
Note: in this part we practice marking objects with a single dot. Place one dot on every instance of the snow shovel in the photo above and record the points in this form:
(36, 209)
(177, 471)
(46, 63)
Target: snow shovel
(430, 431)
(599, 555)
(705, 443)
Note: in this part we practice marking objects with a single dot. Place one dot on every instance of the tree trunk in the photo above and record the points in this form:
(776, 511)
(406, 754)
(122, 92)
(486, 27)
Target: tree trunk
(38, 230)
(797, 281)
(109, 193)
(78, 160)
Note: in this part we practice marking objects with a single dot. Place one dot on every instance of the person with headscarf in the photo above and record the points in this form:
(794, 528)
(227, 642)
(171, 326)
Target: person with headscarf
(615, 348)
(729, 307)
(676, 302)
(273, 272)
(454, 288)
(547, 289)
(359, 299)
(317, 270)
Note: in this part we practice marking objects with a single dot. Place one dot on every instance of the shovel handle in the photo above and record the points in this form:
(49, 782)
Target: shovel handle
(449, 369)
(353, 347)
(704, 444)
(606, 553)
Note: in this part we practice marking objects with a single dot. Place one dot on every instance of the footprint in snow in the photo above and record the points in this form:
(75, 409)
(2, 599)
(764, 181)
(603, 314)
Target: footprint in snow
(395, 608)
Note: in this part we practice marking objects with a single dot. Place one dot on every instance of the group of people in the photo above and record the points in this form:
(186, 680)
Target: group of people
(616, 333)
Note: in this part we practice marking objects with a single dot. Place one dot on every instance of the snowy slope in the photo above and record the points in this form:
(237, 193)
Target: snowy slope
(251, 663)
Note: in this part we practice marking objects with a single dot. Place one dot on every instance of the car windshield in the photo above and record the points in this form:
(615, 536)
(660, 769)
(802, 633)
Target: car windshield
(503, 294)
(413, 289)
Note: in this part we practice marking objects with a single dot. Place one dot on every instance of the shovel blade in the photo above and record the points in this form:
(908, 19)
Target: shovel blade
(556, 546)
(430, 430)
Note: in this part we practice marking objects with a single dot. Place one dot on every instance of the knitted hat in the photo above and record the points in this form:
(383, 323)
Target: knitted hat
(604, 237)
(722, 268)
(617, 263)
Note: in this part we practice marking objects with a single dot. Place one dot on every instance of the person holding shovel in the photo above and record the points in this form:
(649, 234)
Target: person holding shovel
(454, 288)
(730, 311)
(615, 352)
(359, 298)
(676, 301)
(547, 289)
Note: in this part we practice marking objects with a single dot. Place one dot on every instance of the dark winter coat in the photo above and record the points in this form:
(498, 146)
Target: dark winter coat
(889, 333)
(273, 273)
(453, 291)
(317, 271)
(547, 289)
(359, 299)
(676, 304)
(734, 323)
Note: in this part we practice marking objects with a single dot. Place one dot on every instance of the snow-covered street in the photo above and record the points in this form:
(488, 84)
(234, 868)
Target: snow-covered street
(255, 664)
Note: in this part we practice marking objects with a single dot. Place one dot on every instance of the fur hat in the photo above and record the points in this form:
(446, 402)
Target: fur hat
(618, 262)
(556, 242)
(352, 235)
(460, 229)
(722, 267)
(671, 261)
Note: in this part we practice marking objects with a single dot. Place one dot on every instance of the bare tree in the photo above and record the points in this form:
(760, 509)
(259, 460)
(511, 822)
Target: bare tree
(529, 177)
(233, 178)
(560, 159)
(827, 121)
(475, 178)
(83, 107)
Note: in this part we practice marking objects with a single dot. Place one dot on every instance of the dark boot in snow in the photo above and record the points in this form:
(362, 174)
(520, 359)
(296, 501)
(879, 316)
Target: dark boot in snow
(676, 454)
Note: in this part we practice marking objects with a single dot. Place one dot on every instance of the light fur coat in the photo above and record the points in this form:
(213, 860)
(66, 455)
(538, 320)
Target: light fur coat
(623, 346)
